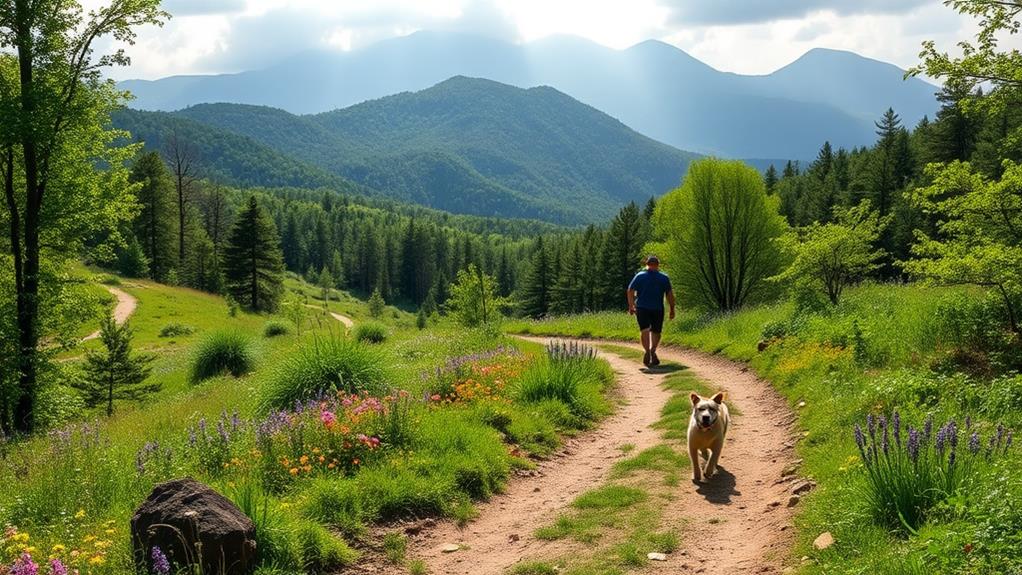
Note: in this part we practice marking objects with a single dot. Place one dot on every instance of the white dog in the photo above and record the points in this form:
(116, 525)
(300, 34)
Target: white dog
(707, 429)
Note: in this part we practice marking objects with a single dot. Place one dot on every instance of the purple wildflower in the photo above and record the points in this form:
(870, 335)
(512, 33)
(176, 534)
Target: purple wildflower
(974, 443)
(202, 427)
(941, 439)
(161, 566)
(191, 437)
(235, 421)
(860, 442)
(913, 444)
(57, 567)
(928, 429)
(24, 565)
(1007, 442)
(871, 426)
(1000, 434)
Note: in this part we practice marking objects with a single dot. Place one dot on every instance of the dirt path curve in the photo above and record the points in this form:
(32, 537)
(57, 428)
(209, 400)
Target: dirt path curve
(126, 304)
(347, 321)
(733, 524)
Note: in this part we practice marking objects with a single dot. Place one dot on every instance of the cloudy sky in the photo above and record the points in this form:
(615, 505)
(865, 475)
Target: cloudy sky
(744, 36)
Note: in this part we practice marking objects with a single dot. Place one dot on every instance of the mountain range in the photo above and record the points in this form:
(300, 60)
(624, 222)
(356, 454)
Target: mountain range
(653, 87)
(465, 145)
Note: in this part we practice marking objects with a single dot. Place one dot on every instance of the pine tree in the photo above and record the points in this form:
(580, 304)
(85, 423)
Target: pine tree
(132, 261)
(337, 269)
(953, 134)
(376, 304)
(649, 210)
(621, 255)
(253, 264)
(535, 300)
(154, 226)
(114, 372)
(770, 179)
(325, 281)
(567, 294)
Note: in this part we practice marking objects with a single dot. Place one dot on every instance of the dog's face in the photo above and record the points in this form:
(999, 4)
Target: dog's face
(705, 411)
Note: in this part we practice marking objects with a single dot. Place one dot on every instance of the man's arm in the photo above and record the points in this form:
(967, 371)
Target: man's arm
(631, 300)
(670, 300)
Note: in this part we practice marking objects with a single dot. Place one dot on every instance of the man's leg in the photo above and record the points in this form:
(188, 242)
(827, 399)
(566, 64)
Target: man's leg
(654, 340)
(646, 339)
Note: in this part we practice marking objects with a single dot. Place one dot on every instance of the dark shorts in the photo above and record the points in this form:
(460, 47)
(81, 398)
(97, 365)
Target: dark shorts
(651, 319)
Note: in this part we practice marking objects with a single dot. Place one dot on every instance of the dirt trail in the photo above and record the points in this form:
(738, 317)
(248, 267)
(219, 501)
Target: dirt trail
(347, 321)
(738, 522)
(126, 304)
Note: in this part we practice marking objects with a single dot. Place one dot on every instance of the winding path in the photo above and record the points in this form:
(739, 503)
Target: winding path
(126, 304)
(738, 522)
(347, 321)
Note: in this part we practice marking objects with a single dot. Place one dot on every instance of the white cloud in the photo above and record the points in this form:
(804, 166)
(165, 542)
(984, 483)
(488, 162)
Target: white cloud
(745, 36)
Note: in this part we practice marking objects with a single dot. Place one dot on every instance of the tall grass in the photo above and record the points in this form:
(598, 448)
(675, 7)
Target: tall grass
(222, 352)
(577, 382)
(320, 366)
(371, 332)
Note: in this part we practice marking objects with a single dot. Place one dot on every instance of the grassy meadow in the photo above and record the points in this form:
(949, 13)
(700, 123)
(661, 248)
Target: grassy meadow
(884, 350)
(317, 436)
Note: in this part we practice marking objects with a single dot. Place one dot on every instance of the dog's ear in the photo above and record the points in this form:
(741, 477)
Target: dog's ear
(720, 397)
(695, 398)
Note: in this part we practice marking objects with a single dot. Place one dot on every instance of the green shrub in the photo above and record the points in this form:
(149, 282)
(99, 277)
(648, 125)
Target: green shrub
(371, 332)
(221, 352)
(275, 327)
(321, 550)
(56, 405)
(337, 504)
(578, 384)
(175, 329)
(108, 279)
(322, 366)
(977, 338)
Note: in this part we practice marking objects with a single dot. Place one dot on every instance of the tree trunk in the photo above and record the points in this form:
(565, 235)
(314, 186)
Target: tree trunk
(27, 263)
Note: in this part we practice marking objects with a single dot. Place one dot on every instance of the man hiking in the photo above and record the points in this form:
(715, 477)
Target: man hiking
(646, 302)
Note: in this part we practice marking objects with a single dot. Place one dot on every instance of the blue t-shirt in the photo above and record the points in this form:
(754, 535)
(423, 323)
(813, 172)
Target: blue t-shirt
(652, 286)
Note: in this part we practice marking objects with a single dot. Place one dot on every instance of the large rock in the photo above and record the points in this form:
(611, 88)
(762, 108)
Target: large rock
(192, 523)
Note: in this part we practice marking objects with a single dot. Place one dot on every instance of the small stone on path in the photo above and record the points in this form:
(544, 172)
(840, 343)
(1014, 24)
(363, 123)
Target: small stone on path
(450, 548)
(656, 556)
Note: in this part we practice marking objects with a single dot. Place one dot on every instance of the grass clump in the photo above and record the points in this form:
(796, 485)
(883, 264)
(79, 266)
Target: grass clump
(176, 329)
(371, 332)
(577, 383)
(275, 328)
(395, 546)
(325, 365)
(222, 352)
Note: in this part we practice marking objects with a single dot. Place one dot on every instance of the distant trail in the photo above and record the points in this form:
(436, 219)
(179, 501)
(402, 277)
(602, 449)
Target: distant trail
(347, 321)
(126, 304)
(737, 522)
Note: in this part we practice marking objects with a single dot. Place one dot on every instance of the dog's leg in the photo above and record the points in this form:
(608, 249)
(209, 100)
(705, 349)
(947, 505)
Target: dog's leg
(693, 454)
(711, 465)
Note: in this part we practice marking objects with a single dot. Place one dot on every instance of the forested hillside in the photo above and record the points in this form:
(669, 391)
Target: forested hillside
(465, 146)
(653, 87)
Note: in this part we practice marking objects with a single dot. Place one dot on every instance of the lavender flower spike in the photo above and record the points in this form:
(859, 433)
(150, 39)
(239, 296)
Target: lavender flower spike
(161, 566)
(974, 443)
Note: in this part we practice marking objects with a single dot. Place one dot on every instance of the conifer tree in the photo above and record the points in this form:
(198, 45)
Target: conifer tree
(770, 179)
(567, 295)
(154, 226)
(114, 372)
(621, 255)
(535, 299)
(253, 265)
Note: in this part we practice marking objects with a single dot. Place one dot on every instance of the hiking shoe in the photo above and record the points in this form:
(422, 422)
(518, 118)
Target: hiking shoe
(646, 359)
(653, 359)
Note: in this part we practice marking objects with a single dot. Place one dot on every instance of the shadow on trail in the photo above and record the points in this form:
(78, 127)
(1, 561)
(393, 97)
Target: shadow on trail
(664, 368)
(719, 488)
